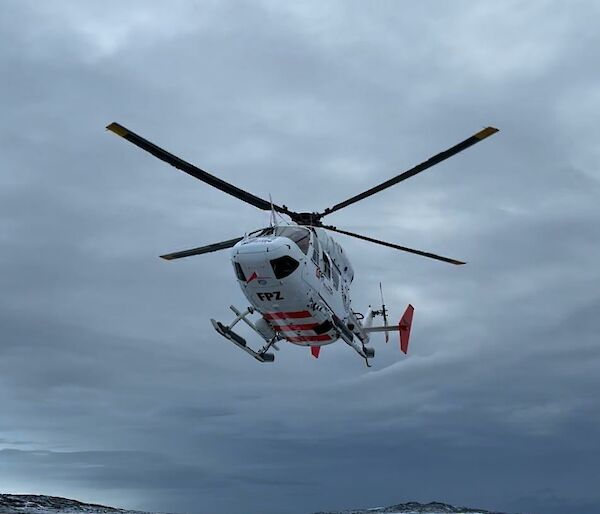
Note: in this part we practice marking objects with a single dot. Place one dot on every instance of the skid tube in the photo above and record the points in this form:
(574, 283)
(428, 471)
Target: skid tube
(262, 355)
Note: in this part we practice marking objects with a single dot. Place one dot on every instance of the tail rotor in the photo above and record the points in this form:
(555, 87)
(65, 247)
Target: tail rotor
(403, 326)
(384, 313)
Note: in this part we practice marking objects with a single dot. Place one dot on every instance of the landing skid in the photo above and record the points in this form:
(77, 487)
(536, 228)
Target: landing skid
(226, 331)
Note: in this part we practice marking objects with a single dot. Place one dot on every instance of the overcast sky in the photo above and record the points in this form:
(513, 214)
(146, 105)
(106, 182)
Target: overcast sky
(114, 387)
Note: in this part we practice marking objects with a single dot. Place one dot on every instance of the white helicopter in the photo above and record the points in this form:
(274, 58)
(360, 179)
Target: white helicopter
(295, 276)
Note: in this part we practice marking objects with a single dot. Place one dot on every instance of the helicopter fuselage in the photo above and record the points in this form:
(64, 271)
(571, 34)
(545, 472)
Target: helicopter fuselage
(298, 278)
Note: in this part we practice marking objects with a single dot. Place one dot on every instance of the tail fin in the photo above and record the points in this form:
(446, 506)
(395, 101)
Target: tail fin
(404, 327)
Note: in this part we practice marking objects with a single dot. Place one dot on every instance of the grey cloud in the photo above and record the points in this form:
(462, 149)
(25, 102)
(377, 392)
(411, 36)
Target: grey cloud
(110, 375)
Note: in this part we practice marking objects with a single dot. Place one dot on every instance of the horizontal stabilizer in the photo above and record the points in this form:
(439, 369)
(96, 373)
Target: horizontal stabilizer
(384, 328)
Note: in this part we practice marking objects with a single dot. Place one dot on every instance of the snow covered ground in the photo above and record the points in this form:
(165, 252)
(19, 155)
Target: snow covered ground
(34, 504)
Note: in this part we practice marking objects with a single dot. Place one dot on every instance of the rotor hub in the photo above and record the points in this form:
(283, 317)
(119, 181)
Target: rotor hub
(312, 219)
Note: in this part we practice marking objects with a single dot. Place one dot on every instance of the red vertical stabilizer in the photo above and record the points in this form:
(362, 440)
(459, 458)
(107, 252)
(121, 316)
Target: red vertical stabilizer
(315, 350)
(404, 327)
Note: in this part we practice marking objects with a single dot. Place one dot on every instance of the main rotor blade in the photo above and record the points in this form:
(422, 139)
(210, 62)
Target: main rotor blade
(192, 170)
(202, 249)
(397, 247)
(436, 159)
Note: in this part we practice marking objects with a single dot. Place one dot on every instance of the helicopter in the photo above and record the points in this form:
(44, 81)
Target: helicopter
(295, 276)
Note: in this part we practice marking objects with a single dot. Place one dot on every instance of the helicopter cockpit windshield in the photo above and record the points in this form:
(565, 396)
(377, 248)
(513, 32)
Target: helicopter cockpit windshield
(300, 235)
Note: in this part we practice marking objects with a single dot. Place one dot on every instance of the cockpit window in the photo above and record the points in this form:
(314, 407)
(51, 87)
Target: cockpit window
(284, 266)
(262, 232)
(300, 235)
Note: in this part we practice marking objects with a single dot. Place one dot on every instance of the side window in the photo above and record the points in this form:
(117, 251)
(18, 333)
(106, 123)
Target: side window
(326, 266)
(336, 278)
(239, 272)
(315, 255)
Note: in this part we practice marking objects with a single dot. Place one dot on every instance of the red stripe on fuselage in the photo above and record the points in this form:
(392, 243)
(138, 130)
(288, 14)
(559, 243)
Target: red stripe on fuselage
(287, 315)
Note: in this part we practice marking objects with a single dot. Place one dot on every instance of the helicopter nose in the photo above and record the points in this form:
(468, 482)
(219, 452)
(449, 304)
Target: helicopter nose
(253, 267)
(267, 260)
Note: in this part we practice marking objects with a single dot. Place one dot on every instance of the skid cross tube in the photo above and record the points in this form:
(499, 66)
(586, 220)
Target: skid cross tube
(242, 316)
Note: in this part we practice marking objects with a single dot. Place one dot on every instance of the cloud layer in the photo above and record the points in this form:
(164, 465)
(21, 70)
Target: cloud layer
(113, 386)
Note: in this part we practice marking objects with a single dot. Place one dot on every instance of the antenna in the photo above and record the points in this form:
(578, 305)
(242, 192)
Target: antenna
(273, 220)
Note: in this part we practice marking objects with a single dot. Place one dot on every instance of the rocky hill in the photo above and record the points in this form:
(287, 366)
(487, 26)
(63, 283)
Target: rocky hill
(38, 504)
(415, 508)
